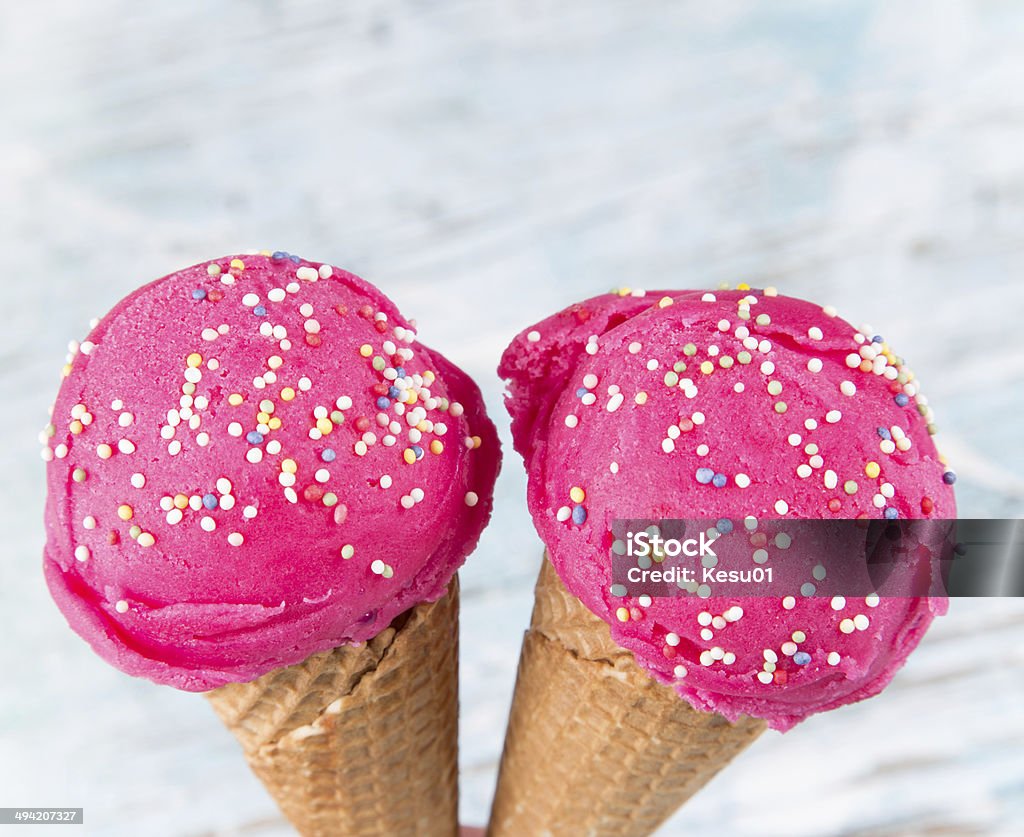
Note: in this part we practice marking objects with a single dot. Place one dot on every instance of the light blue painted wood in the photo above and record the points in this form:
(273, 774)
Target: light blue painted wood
(487, 164)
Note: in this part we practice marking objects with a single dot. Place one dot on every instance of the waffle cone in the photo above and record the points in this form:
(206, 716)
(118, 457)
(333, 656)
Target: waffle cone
(360, 740)
(595, 745)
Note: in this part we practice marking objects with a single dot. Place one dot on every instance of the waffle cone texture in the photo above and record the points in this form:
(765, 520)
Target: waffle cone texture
(595, 745)
(360, 740)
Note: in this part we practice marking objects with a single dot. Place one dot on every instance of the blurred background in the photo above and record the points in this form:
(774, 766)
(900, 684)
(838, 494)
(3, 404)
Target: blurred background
(487, 164)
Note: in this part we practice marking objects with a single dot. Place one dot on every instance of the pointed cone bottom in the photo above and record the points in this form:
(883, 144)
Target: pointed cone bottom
(595, 745)
(360, 740)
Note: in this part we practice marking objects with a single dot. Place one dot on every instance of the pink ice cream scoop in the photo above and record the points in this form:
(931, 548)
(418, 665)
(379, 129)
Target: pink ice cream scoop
(736, 405)
(252, 460)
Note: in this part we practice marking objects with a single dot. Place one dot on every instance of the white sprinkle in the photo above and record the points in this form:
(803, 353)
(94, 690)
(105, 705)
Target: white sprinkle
(254, 455)
(377, 567)
(121, 606)
(325, 271)
(571, 421)
(814, 333)
(807, 589)
(563, 514)
(831, 479)
(89, 522)
(472, 498)
(309, 274)
(861, 622)
(680, 671)
(783, 541)
(697, 418)
(781, 506)
(174, 516)
(833, 658)
(533, 336)
(590, 381)
(224, 485)
(635, 347)
(249, 512)
(814, 365)
(82, 553)
(847, 626)
(789, 603)
(872, 600)
(833, 416)
(838, 602)
(305, 385)
(322, 475)
(236, 539)
(767, 368)
(276, 295)
(138, 480)
(742, 480)
(848, 388)
(208, 524)
(668, 445)
(251, 300)
(227, 502)
(615, 402)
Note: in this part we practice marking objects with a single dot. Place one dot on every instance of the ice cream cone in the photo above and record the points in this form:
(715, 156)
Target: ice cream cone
(595, 745)
(360, 740)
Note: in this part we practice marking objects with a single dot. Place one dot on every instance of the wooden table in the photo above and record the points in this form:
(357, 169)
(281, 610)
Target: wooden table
(486, 164)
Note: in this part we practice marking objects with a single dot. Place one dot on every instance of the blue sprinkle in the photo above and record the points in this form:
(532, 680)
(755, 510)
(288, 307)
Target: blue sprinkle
(885, 434)
(705, 475)
(581, 392)
(949, 478)
(393, 392)
(801, 658)
(579, 515)
(719, 480)
(383, 402)
(198, 293)
(260, 311)
(210, 501)
(328, 455)
(724, 526)
(254, 437)
(902, 400)
(277, 255)
(891, 513)
(294, 259)
(877, 338)
(400, 371)
(416, 449)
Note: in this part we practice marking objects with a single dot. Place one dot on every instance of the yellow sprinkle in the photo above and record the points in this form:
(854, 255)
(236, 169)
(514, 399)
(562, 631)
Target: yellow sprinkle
(188, 388)
(237, 264)
(771, 290)
(194, 360)
(275, 361)
(76, 427)
(412, 397)
(324, 425)
(180, 501)
(274, 423)
(725, 361)
(707, 367)
(477, 441)
(65, 370)
(264, 252)
(262, 418)
(289, 466)
(347, 551)
(436, 446)
(665, 302)
(622, 614)
(125, 512)
(146, 539)
(422, 426)
(577, 494)
(743, 286)
(235, 399)
(213, 269)
(641, 398)
(872, 469)
(428, 377)
(409, 456)
(287, 394)
(366, 350)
